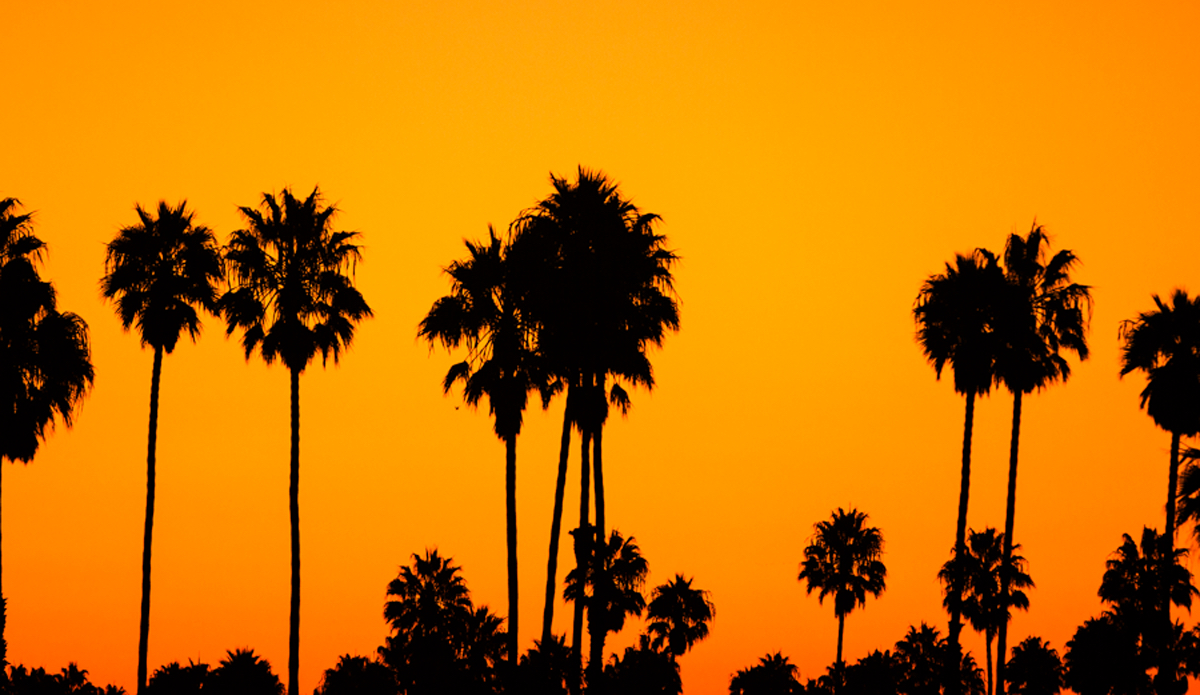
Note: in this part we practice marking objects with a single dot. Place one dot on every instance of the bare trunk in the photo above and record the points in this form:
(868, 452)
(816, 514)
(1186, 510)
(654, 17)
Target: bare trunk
(988, 654)
(144, 625)
(1006, 561)
(582, 543)
(510, 489)
(841, 633)
(960, 533)
(1165, 666)
(560, 486)
(294, 512)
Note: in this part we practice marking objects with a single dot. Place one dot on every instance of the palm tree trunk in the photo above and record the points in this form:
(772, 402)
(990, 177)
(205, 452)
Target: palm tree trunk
(510, 489)
(597, 462)
(988, 654)
(1169, 534)
(3, 601)
(294, 511)
(144, 625)
(960, 543)
(560, 486)
(582, 544)
(841, 633)
(1009, 521)
(596, 635)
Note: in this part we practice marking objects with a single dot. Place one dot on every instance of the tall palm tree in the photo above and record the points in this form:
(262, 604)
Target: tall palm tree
(679, 616)
(484, 311)
(159, 271)
(610, 589)
(45, 360)
(607, 295)
(843, 560)
(292, 297)
(984, 605)
(955, 313)
(1165, 344)
(1045, 312)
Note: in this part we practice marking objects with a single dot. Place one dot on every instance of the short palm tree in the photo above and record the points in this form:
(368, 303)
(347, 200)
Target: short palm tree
(610, 588)
(773, 674)
(159, 272)
(45, 360)
(956, 315)
(1035, 669)
(292, 294)
(983, 604)
(843, 560)
(679, 616)
(1046, 312)
(485, 313)
(441, 642)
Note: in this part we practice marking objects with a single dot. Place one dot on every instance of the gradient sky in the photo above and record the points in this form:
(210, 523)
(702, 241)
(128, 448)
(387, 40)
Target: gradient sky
(813, 164)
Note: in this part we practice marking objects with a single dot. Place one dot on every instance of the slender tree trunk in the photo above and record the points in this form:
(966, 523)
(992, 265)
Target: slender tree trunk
(1165, 665)
(510, 489)
(988, 647)
(560, 487)
(144, 625)
(841, 633)
(597, 461)
(960, 544)
(3, 601)
(596, 635)
(1006, 561)
(582, 544)
(294, 511)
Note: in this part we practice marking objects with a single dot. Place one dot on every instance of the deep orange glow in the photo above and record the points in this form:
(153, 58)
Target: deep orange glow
(813, 166)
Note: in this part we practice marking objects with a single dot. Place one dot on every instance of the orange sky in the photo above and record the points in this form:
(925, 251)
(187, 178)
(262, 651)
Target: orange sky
(813, 164)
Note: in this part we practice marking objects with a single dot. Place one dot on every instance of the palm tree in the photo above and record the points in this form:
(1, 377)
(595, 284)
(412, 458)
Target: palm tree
(608, 294)
(1045, 312)
(610, 588)
(484, 311)
(1165, 345)
(955, 314)
(291, 296)
(159, 272)
(1035, 668)
(679, 616)
(842, 559)
(45, 360)
(441, 641)
(243, 672)
(931, 665)
(984, 605)
(772, 675)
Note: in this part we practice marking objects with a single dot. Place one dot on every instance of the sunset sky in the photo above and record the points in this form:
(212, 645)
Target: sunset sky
(813, 163)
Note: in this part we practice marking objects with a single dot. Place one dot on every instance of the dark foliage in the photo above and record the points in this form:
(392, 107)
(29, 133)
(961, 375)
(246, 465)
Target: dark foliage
(357, 675)
(772, 675)
(72, 680)
(1034, 669)
(642, 670)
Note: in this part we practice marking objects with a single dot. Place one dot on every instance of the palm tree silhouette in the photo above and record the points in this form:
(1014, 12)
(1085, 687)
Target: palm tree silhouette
(1138, 575)
(608, 295)
(932, 664)
(983, 605)
(955, 314)
(610, 588)
(773, 675)
(484, 311)
(159, 272)
(1165, 345)
(679, 616)
(1035, 668)
(842, 559)
(441, 641)
(1045, 312)
(245, 673)
(291, 296)
(45, 359)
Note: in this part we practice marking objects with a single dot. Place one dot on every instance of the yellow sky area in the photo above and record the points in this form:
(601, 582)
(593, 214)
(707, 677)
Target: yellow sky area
(813, 165)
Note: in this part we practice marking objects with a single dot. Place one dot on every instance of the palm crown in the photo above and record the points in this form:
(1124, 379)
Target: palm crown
(982, 603)
(1043, 312)
(1165, 344)
(679, 616)
(45, 358)
(159, 271)
(843, 560)
(289, 287)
